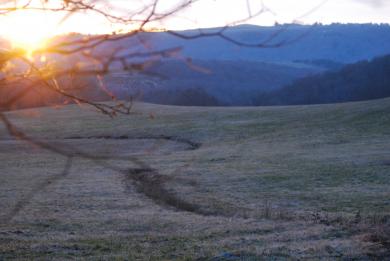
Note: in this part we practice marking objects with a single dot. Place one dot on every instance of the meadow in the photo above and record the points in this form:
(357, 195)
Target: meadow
(198, 183)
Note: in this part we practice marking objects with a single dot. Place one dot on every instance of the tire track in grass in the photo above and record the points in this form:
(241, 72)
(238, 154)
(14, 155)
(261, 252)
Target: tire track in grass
(146, 180)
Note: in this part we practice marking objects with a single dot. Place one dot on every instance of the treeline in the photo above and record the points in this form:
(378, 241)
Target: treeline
(364, 80)
(182, 97)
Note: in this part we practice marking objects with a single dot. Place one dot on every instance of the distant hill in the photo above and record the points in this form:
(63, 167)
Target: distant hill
(364, 80)
(227, 74)
(228, 82)
(342, 43)
(335, 43)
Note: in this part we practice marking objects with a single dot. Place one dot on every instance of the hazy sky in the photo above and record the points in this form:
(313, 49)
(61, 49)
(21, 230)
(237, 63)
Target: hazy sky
(33, 27)
(216, 12)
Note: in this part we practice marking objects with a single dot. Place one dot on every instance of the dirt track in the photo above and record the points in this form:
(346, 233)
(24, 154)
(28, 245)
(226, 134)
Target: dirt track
(147, 181)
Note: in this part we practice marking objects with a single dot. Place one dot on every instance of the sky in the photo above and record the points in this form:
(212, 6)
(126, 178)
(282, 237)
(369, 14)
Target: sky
(217, 12)
(32, 28)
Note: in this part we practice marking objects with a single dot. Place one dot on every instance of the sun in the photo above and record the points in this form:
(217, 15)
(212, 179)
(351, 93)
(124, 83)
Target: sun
(29, 30)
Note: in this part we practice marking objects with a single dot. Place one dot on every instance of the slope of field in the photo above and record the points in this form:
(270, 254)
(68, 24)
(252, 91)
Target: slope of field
(198, 183)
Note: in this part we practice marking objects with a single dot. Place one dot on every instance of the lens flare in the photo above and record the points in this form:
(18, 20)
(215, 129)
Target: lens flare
(28, 31)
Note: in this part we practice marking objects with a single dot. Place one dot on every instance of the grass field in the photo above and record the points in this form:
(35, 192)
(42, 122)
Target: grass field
(191, 183)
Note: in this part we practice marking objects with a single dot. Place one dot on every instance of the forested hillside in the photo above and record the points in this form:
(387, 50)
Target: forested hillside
(364, 80)
(222, 73)
(228, 82)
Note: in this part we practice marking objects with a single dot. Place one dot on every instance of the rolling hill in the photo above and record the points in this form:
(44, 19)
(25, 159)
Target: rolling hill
(167, 182)
(227, 82)
(230, 74)
(343, 43)
(239, 73)
(364, 80)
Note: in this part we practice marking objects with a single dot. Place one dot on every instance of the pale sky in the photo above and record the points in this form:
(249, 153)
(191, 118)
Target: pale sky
(32, 27)
(217, 12)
